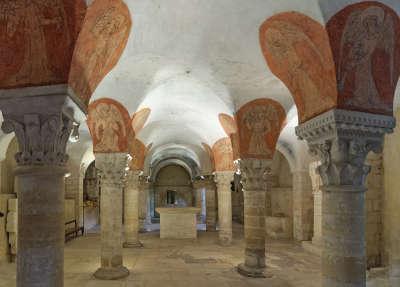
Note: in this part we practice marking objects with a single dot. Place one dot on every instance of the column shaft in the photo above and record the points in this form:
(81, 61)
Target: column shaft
(343, 237)
(40, 256)
(112, 169)
(223, 180)
(211, 207)
(302, 206)
(131, 210)
(253, 174)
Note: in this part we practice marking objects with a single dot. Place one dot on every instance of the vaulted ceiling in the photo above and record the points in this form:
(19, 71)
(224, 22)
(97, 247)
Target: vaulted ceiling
(189, 61)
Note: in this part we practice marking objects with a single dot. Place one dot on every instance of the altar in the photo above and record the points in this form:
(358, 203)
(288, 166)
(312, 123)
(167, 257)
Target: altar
(178, 222)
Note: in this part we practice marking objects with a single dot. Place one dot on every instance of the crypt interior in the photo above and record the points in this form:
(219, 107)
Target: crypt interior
(198, 143)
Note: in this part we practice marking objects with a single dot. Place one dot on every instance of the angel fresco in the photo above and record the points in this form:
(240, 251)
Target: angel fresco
(223, 155)
(259, 121)
(109, 127)
(28, 28)
(100, 44)
(365, 31)
(301, 60)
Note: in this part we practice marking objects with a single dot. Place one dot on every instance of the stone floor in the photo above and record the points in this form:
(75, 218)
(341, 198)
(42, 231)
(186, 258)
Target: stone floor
(185, 263)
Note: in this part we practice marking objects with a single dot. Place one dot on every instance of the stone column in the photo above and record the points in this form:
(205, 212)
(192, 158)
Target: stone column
(211, 204)
(253, 180)
(341, 140)
(302, 205)
(223, 180)
(131, 209)
(112, 172)
(144, 211)
(42, 127)
(199, 188)
(317, 194)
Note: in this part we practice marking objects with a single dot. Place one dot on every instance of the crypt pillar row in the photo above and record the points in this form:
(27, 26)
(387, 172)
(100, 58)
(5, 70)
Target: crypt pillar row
(223, 180)
(42, 126)
(254, 172)
(112, 171)
(131, 209)
(341, 140)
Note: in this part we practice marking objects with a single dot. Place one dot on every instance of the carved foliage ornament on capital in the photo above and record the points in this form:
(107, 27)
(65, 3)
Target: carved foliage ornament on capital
(259, 123)
(100, 44)
(42, 138)
(254, 173)
(365, 41)
(110, 126)
(112, 168)
(297, 51)
(342, 160)
(37, 39)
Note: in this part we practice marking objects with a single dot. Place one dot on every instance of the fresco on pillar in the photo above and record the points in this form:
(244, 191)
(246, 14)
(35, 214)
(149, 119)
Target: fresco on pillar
(137, 149)
(229, 125)
(365, 40)
(37, 40)
(223, 155)
(100, 44)
(259, 125)
(297, 51)
(210, 153)
(110, 126)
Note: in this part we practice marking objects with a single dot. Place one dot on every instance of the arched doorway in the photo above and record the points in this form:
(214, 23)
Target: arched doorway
(172, 186)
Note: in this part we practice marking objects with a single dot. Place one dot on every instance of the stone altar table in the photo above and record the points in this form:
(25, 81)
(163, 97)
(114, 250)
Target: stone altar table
(178, 222)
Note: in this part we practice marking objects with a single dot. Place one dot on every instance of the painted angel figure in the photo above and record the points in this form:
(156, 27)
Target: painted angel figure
(259, 124)
(364, 32)
(306, 68)
(108, 31)
(109, 127)
(28, 18)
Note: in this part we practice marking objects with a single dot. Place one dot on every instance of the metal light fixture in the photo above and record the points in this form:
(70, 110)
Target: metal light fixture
(74, 137)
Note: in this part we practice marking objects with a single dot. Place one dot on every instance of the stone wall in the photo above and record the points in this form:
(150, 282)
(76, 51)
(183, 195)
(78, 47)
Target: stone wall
(391, 200)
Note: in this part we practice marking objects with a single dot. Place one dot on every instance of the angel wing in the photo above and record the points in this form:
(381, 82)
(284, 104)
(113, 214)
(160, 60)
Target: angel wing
(272, 116)
(116, 116)
(388, 43)
(351, 33)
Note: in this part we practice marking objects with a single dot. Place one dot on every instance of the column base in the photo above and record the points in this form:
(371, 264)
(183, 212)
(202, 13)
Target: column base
(137, 244)
(113, 273)
(252, 272)
(225, 242)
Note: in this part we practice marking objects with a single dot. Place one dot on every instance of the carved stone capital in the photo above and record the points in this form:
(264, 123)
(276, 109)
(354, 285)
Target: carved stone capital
(41, 125)
(133, 178)
(254, 173)
(341, 141)
(112, 168)
(223, 180)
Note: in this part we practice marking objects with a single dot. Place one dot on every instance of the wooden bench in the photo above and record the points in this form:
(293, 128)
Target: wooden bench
(72, 232)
